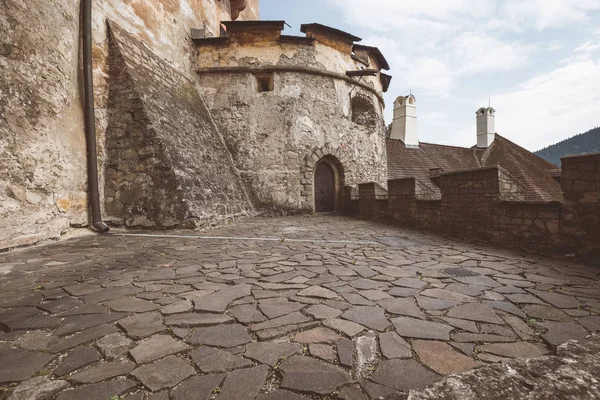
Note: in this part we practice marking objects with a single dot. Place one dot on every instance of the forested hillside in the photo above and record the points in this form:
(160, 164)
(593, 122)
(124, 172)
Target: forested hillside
(588, 142)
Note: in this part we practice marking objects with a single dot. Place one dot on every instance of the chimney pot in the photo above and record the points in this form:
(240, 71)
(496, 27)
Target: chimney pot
(404, 126)
(486, 127)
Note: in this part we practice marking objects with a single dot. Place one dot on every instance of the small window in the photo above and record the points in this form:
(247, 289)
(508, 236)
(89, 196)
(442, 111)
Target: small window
(265, 82)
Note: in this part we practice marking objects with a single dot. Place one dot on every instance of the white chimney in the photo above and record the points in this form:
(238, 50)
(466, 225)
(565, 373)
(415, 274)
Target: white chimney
(404, 126)
(486, 127)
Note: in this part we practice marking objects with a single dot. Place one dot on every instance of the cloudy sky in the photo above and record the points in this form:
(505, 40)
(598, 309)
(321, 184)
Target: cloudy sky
(537, 60)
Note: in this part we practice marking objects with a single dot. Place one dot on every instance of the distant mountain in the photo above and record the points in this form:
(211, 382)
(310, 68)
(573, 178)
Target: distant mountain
(588, 142)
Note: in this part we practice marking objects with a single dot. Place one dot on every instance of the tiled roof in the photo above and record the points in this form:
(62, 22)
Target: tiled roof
(532, 171)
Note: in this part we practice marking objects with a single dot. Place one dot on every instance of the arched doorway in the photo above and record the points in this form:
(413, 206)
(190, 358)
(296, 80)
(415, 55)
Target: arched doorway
(328, 178)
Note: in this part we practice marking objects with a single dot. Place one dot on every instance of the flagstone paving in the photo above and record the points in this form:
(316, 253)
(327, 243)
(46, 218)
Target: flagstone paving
(318, 307)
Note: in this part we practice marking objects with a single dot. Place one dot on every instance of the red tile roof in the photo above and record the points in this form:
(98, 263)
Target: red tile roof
(532, 171)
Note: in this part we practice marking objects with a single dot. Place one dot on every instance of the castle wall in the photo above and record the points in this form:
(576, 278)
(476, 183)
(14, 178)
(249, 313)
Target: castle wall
(42, 143)
(273, 134)
(487, 205)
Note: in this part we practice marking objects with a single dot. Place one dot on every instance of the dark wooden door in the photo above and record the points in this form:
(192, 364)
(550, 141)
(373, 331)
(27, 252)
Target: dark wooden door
(324, 188)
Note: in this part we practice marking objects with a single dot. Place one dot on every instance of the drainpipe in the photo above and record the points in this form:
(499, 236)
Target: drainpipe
(90, 123)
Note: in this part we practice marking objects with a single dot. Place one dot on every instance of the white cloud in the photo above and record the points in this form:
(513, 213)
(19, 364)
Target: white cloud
(551, 106)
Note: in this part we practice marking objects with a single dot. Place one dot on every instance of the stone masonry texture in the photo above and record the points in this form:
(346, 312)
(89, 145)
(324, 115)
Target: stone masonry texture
(306, 307)
(42, 144)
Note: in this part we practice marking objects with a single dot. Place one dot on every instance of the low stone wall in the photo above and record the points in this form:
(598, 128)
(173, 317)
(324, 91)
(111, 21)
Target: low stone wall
(488, 205)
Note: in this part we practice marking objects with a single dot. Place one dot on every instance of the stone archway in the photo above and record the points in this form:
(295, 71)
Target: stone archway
(323, 169)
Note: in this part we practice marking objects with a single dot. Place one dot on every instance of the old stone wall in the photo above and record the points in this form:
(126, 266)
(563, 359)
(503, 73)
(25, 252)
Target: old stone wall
(274, 134)
(487, 204)
(42, 144)
(167, 165)
(580, 224)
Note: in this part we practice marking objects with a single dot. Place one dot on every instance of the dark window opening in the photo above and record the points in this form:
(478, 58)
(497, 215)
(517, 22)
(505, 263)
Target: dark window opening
(265, 82)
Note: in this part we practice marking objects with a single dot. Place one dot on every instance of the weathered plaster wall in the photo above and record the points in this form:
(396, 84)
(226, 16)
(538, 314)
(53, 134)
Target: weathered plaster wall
(272, 135)
(42, 147)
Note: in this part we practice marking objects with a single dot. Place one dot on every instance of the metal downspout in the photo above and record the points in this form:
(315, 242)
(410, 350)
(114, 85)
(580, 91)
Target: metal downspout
(90, 123)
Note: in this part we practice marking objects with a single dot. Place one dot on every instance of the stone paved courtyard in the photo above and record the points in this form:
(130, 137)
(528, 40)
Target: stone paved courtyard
(273, 309)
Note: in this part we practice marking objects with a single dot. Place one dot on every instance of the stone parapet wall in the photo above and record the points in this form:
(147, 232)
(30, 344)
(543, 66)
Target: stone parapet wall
(488, 205)
(580, 181)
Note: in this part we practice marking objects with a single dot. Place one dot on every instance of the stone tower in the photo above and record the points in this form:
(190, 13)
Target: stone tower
(404, 126)
(486, 127)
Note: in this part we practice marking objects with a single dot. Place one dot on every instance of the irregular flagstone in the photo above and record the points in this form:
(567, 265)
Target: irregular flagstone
(362, 283)
(60, 305)
(475, 312)
(560, 332)
(19, 365)
(403, 306)
(321, 311)
(271, 352)
(319, 292)
(524, 299)
(274, 308)
(371, 317)
(546, 312)
(393, 346)
(218, 301)
(556, 299)
(317, 335)
(85, 309)
(156, 347)
(322, 351)
(309, 375)
(114, 346)
(214, 360)
(481, 280)
(404, 375)
(99, 391)
(474, 337)
(83, 337)
(374, 294)
(290, 319)
(179, 307)
(468, 326)
(375, 390)
(348, 328)
(198, 387)
(281, 395)
(196, 319)
(413, 283)
(357, 299)
(515, 350)
(444, 294)
(591, 323)
(505, 306)
(247, 313)
(497, 330)
(441, 358)
(269, 334)
(131, 304)
(469, 290)
(38, 388)
(366, 353)
(431, 304)
(345, 349)
(221, 336)
(165, 373)
(523, 330)
(352, 393)
(36, 340)
(81, 322)
(102, 371)
(416, 328)
(244, 384)
(403, 292)
(21, 300)
(77, 358)
(143, 325)
(107, 294)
